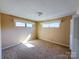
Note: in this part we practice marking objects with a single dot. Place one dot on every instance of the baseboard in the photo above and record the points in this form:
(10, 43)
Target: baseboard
(10, 46)
(57, 43)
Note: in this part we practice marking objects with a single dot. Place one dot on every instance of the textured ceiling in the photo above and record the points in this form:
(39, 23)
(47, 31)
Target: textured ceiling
(30, 8)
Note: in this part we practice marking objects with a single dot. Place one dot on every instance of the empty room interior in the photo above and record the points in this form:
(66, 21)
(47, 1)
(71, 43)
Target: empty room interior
(39, 29)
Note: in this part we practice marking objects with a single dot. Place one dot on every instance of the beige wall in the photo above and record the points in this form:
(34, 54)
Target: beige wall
(57, 35)
(0, 37)
(12, 35)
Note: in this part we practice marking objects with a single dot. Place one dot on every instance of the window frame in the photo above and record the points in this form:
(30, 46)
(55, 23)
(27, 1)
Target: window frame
(29, 23)
(49, 24)
(19, 25)
(23, 22)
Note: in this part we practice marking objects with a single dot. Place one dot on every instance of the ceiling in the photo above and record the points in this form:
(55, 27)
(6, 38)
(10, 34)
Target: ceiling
(29, 8)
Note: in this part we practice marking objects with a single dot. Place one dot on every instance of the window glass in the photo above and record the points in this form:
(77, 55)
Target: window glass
(55, 24)
(29, 24)
(20, 24)
(51, 24)
(45, 25)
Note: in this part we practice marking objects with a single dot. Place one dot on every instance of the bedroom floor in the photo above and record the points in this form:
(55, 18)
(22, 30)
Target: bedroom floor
(37, 49)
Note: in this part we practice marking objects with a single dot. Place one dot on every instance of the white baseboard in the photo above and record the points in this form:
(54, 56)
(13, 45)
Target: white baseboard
(10, 46)
(57, 43)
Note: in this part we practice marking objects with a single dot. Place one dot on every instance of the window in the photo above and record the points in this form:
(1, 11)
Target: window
(23, 24)
(45, 25)
(20, 24)
(55, 24)
(29, 25)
